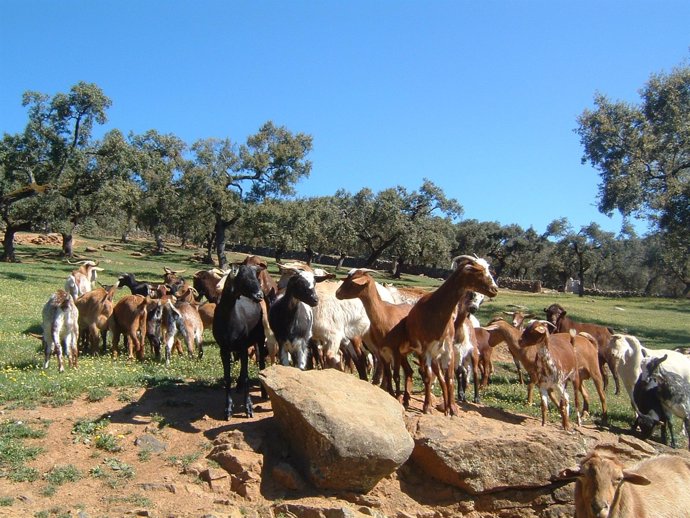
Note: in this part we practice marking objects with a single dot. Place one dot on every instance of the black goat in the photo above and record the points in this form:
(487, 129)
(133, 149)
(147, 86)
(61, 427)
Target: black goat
(649, 410)
(659, 395)
(237, 325)
(145, 289)
(291, 318)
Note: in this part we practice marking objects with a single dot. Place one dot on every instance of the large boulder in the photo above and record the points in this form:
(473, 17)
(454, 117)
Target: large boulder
(506, 451)
(344, 433)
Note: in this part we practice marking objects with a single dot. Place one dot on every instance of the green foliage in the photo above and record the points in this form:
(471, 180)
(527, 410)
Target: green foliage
(62, 474)
(97, 394)
(85, 430)
(641, 152)
(14, 453)
(107, 442)
(113, 472)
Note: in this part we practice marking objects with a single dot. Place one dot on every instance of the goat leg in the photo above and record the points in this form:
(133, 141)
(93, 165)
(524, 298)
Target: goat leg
(227, 379)
(427, 377)
(544, 405)
(475, 374)
(670, 431)
(244, 376)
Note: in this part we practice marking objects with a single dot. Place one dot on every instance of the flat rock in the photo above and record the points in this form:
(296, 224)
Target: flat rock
(503, 453)
(344, 433)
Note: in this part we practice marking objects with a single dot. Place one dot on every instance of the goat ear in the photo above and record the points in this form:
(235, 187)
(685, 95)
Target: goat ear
(635, 478)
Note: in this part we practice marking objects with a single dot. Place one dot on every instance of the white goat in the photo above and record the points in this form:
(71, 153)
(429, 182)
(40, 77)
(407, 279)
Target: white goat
(338, 322)
(184, 318)
(627, 354)
(81, 280)
(61, 329)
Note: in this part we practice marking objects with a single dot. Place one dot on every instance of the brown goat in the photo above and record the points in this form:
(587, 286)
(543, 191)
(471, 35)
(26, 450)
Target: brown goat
(383, 317)
(206, 311)
(554, 365)
(518, 320)
(557, 315)
(567, 351)
(428, 330)
(206, 284)
(129, 318)
(486, 349)
(95, 307)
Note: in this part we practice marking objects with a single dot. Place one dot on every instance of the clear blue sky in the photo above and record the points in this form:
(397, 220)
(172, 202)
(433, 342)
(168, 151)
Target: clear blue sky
(480, 97)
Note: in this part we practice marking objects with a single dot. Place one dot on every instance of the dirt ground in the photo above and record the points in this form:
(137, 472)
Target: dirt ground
(185, 420)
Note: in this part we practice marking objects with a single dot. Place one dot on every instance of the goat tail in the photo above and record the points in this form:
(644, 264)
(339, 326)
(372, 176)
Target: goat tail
(590, 338)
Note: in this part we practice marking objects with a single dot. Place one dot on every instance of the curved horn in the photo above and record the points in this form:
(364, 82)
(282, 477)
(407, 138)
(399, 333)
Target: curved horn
(455, 260)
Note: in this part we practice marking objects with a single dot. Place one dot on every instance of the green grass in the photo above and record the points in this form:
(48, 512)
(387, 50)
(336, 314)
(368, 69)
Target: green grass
(16, 450)
(25, 286)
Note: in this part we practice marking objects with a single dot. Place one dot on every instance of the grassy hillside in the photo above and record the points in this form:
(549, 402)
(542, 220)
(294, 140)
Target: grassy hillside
(25, 287)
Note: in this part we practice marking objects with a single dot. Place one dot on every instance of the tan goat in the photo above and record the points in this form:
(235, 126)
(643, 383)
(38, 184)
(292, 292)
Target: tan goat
(95, 308)
(81, 280)
(656, 487)
(183, 318)
(129, 318)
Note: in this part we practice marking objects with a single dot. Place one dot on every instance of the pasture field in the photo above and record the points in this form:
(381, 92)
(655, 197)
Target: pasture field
(25, 286)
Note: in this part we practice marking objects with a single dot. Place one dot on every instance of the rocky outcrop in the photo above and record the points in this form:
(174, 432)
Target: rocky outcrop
(500, 454)
(344, 433)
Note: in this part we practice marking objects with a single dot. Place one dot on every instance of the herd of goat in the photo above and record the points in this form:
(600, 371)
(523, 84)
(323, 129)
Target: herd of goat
(306, 321)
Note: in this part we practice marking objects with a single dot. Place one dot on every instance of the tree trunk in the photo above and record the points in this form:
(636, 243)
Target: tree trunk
(8, 254)
(67, 245)
(581, 288)
(310, 255)
(160, 246)
(341, 260)
(650, 284)
(398, 268)
(220, 245)
(279, 252)
(210, 239)
(125, 232)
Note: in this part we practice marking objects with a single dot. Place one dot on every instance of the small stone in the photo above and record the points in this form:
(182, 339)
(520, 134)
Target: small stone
(154, 486)
(150, 443)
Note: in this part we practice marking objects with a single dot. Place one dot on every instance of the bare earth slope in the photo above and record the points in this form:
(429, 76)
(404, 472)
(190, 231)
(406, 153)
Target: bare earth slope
(179, 481)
